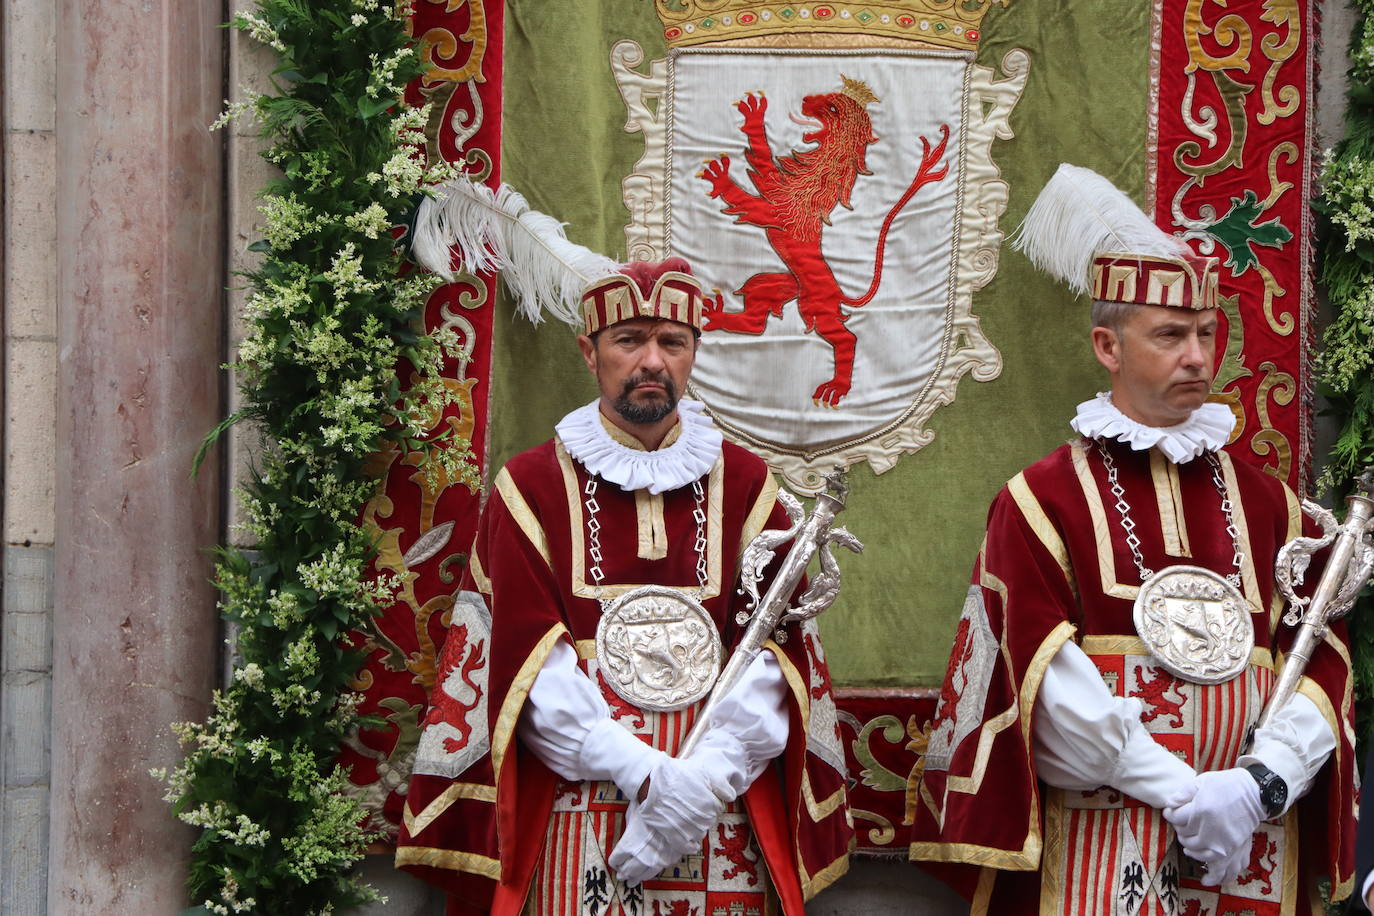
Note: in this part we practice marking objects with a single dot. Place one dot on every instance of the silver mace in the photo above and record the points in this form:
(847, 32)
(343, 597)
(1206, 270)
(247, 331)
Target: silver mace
(810, 535)
(1347, 570)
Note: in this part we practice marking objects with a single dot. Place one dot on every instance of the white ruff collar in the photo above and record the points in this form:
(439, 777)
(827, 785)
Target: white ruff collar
(1207, 429)
(691, 454)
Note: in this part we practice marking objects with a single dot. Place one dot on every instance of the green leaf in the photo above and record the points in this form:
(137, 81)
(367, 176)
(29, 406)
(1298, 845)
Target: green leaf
(211, 438)
(1238, 231)
(370, 108)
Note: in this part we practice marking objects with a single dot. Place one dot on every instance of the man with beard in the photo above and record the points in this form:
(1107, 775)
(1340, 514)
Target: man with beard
(599, 601)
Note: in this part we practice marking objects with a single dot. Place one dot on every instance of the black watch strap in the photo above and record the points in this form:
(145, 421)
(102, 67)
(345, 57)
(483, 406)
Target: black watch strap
(1273, 790)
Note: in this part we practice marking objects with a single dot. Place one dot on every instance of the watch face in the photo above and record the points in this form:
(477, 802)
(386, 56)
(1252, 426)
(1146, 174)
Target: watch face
(1273, 790)
(1274, 795)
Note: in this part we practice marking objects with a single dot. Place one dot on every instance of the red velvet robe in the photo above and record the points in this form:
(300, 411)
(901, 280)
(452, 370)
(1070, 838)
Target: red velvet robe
(1055, 566)
(477, 805)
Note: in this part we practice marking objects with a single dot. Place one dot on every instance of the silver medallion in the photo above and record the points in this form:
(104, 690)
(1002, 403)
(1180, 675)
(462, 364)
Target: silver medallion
(1195, 623)
(658, 648)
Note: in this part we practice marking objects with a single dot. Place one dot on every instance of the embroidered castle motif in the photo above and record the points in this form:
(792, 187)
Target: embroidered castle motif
(796, 195)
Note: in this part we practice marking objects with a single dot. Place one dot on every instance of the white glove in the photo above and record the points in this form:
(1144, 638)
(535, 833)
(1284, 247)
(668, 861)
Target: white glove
(1228, 870)
(610, 752)
(683, 802)
(1220, 819)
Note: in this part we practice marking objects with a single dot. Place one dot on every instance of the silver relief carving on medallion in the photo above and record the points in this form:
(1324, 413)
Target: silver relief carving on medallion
(658, 648)
(1195, 623)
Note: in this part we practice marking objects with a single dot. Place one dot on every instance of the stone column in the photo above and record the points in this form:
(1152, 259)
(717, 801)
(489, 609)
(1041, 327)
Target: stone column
(140, 305)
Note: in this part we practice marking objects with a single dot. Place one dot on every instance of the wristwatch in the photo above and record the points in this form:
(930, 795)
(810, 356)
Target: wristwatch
(1273, 790)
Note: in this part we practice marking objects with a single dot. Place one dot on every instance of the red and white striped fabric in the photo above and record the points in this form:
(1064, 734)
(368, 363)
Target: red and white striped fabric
(1118, 856)
(726, 878)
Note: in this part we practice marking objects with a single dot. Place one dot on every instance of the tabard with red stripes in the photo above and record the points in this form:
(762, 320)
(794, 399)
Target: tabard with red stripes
(486, 820)
(1055, 566)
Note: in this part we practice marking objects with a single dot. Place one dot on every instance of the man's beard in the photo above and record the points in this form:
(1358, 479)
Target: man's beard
(651, 411)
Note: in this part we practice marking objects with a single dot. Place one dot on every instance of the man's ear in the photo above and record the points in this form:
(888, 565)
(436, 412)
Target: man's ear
(1107, 348)
(588, 348)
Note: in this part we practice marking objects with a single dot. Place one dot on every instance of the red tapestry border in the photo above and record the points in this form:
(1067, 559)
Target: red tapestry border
(425, 524)
(1230, 172)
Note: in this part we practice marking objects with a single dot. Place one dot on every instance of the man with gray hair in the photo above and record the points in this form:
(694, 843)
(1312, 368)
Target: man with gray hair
(1094, 750)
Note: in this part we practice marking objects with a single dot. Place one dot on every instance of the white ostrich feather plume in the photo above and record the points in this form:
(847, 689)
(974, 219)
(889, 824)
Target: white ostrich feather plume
(1080, 215)
(497, 230)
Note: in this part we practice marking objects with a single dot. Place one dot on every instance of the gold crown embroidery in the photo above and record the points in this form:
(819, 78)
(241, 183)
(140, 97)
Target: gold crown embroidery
(948, 23)
(858, 91)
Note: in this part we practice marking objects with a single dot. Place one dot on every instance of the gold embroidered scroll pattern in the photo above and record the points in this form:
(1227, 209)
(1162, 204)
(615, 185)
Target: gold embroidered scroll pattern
(1282, 387)
(1280, 13)
(1238, 42)
(440, 47)
(881, 835)
(1229, 30)
(428, 540)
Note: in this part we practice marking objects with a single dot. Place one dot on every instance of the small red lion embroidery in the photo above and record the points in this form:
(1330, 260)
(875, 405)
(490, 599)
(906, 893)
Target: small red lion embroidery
(819, 667)
(1194, 908)
(1152, 692)
(796, 195)
(959, 656)
(620, 709)
(448, 708)
(1262, 850)
(735, 847)
(570, 790)
(676, 908)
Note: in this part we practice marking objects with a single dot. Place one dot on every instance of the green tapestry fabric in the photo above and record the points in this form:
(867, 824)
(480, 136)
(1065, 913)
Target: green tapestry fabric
(1085, 102)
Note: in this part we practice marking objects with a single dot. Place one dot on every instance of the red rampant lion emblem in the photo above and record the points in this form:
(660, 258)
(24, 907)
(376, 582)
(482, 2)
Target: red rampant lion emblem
(1262, 850)
(820, 686)
(796, 195)
(451, 709)
(620, 709)
(735, 847)
(675, 908)
(959, 656)
(1153, 693)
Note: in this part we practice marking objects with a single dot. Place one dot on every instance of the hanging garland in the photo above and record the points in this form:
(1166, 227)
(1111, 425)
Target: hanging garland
(331, 315)
(1346, 365)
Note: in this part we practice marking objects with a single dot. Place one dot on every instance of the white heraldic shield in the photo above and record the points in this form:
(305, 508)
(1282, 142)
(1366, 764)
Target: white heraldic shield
(845, 204)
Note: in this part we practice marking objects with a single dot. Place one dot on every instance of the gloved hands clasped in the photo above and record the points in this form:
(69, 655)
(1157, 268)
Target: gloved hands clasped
(684, 799)
(1216, 819)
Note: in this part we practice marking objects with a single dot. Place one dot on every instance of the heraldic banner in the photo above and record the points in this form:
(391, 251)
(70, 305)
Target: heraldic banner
(890, 330)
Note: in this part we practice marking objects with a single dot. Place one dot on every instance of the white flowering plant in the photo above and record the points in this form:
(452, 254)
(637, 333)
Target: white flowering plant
(334, 321)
